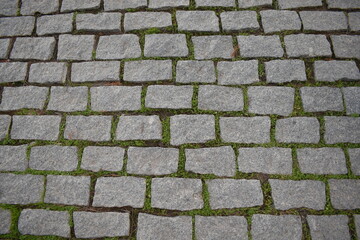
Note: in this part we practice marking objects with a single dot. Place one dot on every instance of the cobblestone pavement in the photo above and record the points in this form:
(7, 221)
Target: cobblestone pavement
(180, 119)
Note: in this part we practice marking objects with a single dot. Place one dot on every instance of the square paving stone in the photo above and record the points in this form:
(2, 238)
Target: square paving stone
(148, 70)
(165, 45)
(329, 227)
(102, 159)
(254, 3)
(44, 73)
(53, 24)
(118, 47)
(68, 99)
(331, 71)
(95, 71)
(282, 71)
(168, 3)
(260, 46)
(197, 21)
(239, 21)
(5, 224)
(354, 21)
(33, 48)
(352, 100)
(12, 71)
(208, 47)
(307, 45)
(171, 97)
(109, 22)
(4, 47)
(321, 99)
(189, 71)
(176, 193)
(5, 121)
(16, 26)
(30, 7)
(354, 154)
(75, 47)
(13, 158)
(110, 5)
(324, 20)
(342, 130)
(344, 193)
(343, 4)
(297, 130)
(119, 192)
(280, 20)
(72, 5)
(212, 3)
(289, 4)
(8, 7)
(346, 46)
(145, 20)
(238, 72)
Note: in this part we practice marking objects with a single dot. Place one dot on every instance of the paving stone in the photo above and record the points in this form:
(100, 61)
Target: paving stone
(54, 158)
(72, 5)
(41, 222)
(176, 193)
(212, 3)
(343, 4)
(329, 227)
(281, 71)
(342, 130)
(165, 45)
(44, 73)
(288, 194)
(172, 97)
(53, 24)
(99, 22)
(254, 3)
(4, 125)
(168, 3)
(354, 154)
(30, 7)
(116, 98)
(207, 47)
(147, 70)
(5, 224)
(283, 20)
(145, 20)
(265, 160)
(289, 4)
(33, 48)
(21, 189)
(357, 223)
(219, 161)
(260, 46)
(90, 128)
(101, 224)
(75, 47)
(239, 21)
(197, 21)
(68, 190)
(12, 71)
(139, 128)
(95, 71)
(321, 99)
(231, 193)
(152, 160)
(307, 45)
(35, 127)
(354, 21)
(103, 158)
(4, 47)
(8, 7)
(119, 192)
(68, 99)
(15, 98)
(245, 129)
(13, 158)
(297, 130)
(111, 5)
(238, 72)
(344, 193)
(189, 71)
(159, 227)
(331, 71)
(191, 129)
(118, 47)
(323, 20)
(269, 227)
(346, 46)
(16, 26)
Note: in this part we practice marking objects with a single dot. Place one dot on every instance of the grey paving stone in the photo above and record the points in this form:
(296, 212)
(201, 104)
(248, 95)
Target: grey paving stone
(231, 193)
(238, 72)
(75, 47)
(95, 71)
(342, 130)
(239, 21)
(172, 97)
(189, 71)
(41, 222)
(68, 99)
(72, 5)
(280, 20)
(147, 70)
(281, 71)
(219, 161)
(168, 3)
(191, 129)
(90, 128)
(322, 160)
(14, 98)
(116, 98)
(12, 71)
(331, 71)
(35, 127)
(343, 4)
(357, 223)
(329, 227)
(101, 224)
(41, 48)
(288, 194)
(152, 160)
(54, 158)
(307, 45)
(346, 46)
(111, 5)
(16, 26)
(269, 227)
(102, 158)
(21, 189)
(176, 193)
(44, 73)
(30, 7)
(297, 130)
(139, 128)
(5, 224)
(99, 22)
(4, 125)
(165, 45)
(197, 21)
(8, 7)
(212, 3)
(118, 47)
(344, 193)
(68, 190)
(289, 4)
(159, 227)
(245, 129)
(219, 98)
(52, 24)
(260, 46)
(321, 99)
(207, 47)
(119, 192)
(354, 154)
(323, 20)
(145, 20)
(254, 3)
(4, 47)
(13, 158)
(354, 21)
(265, 160)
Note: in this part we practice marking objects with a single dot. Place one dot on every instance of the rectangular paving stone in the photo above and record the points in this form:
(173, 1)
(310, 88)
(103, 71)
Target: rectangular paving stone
(5, 121)
(342, 130)
(13, 158)
(101, 224)
(4, 47)
(331, 71)
(176, 193)
(53, 24)
(72, 5)
(239, 21)
(8, 7)
(321, 99)
(111, 5)
(41, 48)
(254, 3)
(260, 46)
(16, 26)
(118, 47)
(297, 130)
(357, 224)
(5, 224)
(238, 72)
(207, 47)
(12, 71)
(288, 194)
(168, 3)
(145, 20)
(212, 3)
(307, 45)
(346, 46)
(147, 70)
(354, 154)
(99, 22)
(95, 71)
(352, 100)
(354, 21)
(290, 4)
(119, 192)
(115, 98)
(323, 20)
(165, 45)
(245, 129)
(282, 71)
(169, 97)
(51, 72)
(197, 21)
(35, 127)
(343, 4)
(344, 193)
(329, 227)
(30, 7)
(21, 189)
(68, 99)
(102, 158)
(280, 20)
(75, 47)
(189, 71)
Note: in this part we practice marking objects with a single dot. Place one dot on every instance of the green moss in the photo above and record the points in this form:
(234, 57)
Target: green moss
(147, 204)
(166, 131)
